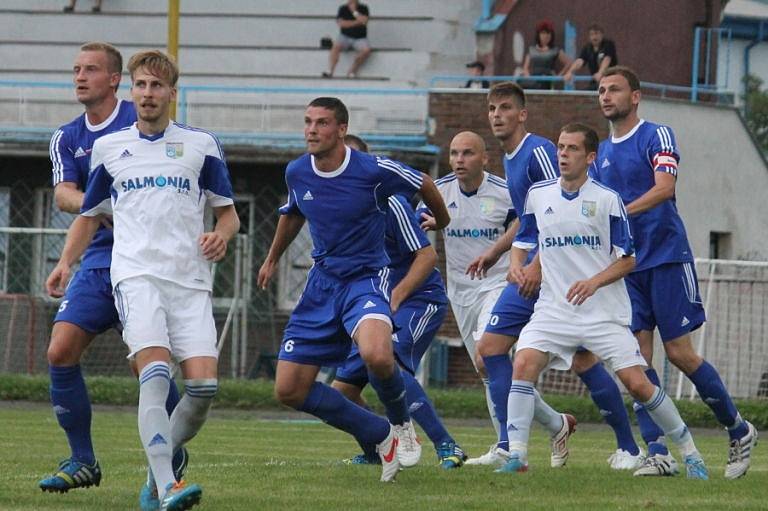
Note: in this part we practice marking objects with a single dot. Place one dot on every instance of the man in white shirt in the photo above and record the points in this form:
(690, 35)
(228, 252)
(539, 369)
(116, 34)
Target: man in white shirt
(155, 178)
(586, 249)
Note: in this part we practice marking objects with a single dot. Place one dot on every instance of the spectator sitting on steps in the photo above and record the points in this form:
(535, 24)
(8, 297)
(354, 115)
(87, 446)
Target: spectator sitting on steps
(352, 19)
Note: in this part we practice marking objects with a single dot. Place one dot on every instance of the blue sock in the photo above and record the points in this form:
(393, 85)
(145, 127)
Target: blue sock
(713, 392)
(499, 369)
(72, 406)
(391, 392)
(605, 393)
(423, 412)
(173, 397)
(329, 405)
(649, 430)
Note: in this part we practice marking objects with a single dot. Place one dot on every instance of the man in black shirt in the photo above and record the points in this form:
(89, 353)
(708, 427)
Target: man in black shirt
(599, 54)
(352, 19)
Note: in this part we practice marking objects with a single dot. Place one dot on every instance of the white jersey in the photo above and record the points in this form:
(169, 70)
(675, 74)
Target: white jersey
(579, 234)
(477, 221)
(156, 188)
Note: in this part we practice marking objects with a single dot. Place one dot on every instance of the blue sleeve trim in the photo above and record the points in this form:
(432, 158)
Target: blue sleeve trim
(214, 178)
(511, 215)
(621, 239)
(98, 191)
(408, 227)
(528, 234)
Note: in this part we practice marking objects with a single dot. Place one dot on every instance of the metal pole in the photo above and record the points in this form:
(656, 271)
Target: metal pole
(173, 38)
(695, 69)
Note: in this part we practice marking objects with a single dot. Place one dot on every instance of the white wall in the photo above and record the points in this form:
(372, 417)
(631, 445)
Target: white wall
(734, 70)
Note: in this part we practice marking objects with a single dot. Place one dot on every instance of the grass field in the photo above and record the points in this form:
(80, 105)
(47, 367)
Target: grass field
(247, 462)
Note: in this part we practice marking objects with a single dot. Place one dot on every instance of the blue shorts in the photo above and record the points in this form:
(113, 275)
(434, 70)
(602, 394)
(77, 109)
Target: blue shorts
(666, 297)
(88, 302)
(511, 312)
(416, 321)
(320, 329)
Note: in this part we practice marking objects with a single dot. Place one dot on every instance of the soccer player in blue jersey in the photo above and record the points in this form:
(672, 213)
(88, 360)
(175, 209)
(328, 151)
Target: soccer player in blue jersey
(529, 159)
(88, 307)
(640, 162)
(343, 194)
(585, 248)
(419, 305)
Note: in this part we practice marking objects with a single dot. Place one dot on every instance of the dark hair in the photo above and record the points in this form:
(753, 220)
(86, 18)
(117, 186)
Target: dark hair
(508, 90)
(335, 105)
(545, 26)
(594, 27)
(631, 76)
(591, 141)
(356, 141)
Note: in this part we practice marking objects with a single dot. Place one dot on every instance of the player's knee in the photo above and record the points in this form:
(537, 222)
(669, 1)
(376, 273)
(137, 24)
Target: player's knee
(364, 53)
(59, 355)
(681, 353)
(639, 387)
(380, 363)
(290, 395)
(479, 364)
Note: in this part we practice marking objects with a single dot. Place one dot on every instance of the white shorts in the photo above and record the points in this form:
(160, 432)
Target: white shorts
(350, 43)
(161, 313)
(612, 342)
(471, 319)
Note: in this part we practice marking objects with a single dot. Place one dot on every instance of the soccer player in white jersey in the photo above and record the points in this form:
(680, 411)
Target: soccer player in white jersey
(156, 178)
(481, 211)
(528, 159)
(585, 250)
(343, 195)
(640, 161)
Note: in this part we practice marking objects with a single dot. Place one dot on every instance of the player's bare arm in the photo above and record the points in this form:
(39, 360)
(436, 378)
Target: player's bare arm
(288, 227)
(214, 244)
(532, 278)
(517, 257)
(583, 289)
(485, 261)
(663, 189)
(424, 261)
(79, 236)
(68, 198)
(434, 201)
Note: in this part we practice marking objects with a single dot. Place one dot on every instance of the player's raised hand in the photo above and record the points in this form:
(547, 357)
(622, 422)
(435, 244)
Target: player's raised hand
(580, 291)
(213, 245)
(266, 272)
(428, 222)
(482, 263)
(56, 283)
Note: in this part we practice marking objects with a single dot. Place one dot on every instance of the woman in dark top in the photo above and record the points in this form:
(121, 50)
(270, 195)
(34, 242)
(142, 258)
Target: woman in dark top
(543, 57)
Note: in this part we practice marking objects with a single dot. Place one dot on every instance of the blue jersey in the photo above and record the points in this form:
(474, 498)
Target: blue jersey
(403, 239)
(347, 209)
(629, 165)
(70, 152)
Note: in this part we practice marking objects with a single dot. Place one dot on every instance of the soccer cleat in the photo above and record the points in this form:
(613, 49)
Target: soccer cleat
(362, 459)
(623, 460)
(513, 464)
(450, 455)
(408, 445)
(739, 454)
(72, 474)
(148, 500)
(387, 449)
(658, 465)
(695, 468)
(496, 456)
(179, 496)
(560, 452)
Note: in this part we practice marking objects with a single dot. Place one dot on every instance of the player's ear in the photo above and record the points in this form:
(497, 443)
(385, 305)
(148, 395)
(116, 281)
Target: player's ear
(591, 156)
(636, 97)
(523, 116)
(173, 93)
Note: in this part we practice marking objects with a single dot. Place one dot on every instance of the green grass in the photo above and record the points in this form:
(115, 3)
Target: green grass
(245, 462)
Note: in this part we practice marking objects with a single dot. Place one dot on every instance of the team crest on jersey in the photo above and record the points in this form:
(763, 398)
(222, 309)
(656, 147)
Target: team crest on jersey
(174, 149)
(589, 208)
(486, 205)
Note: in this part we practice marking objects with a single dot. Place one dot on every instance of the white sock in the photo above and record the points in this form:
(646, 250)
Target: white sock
(664, 413)
(545, 415)
(192, 411)
(491, 408)
(520, 409)
(154, 425)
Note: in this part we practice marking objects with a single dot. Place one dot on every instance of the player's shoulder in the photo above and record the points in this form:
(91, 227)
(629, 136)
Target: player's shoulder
(195, 134)
(496, 181)
(116, 137)
(445, 181)
(73, 127)
(302, 162)
(535, 141)
(543, 187)
(604, 191)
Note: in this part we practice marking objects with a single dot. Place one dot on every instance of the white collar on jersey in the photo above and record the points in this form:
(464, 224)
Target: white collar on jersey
(628, 135)
(106, 122)
(511, 155)
(336, 172)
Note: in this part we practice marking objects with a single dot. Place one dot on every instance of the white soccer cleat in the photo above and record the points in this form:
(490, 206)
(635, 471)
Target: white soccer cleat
(623, 460)
(658, 465)
(739, 454)
(495, 457)
(560, 441)
(387, 450)
(408, 445)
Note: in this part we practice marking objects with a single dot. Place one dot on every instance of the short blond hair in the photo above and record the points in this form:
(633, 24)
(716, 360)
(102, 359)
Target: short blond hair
(156, 62)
